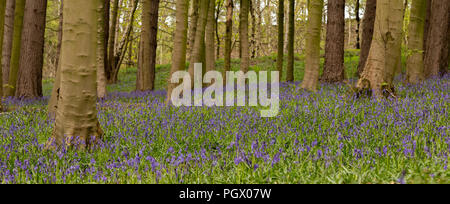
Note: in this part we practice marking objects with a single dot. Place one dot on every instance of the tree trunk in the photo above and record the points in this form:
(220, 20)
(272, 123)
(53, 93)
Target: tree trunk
(29, 84)
(101, 76)
(415, 64)
(76, 118)
(367, 33)
(112, 41)
(149, 34)
(312, 61)
(2, 23)
(209, 38)
(16, 44)
(253, 30)
(280, 55)
(7, 42)
(228, 36)
(384, 52)
(60, 33)
(436, 54)
(107, 19)
(179, 44)
(358, 24)
(291, 42)
(193, 25)
(243, 35)
(198, 51)
(333, 70)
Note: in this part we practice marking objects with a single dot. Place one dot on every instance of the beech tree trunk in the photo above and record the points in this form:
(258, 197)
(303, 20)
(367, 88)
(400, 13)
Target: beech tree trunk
(7, 42)
(334, 70)
(415, 64)
(29, 84)
(16, 44)
(209, 38)
(280, 54)
(436, 54)
(76, 118)
(243, 35)
(60, 33)
(198, 51)
(312, 61)
(367, 33)
(228, 36)
(193, 25)
(291, 42)
(2, 23)
(385, 51)
(179, 44)
(101, 76)
(149, 34)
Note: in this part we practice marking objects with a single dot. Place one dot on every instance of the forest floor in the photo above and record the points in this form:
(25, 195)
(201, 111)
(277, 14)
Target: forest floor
(322, 137)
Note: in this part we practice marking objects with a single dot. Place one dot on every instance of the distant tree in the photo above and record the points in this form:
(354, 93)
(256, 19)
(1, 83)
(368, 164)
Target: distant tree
(112, 41)
(312, 62)
(280, 54)
(16, 45)
(180, 40)
(148, 47)
(385, 50)
(367, 33)
(29, 84)
(416, 31)
(76, 117)
(436, 51)
(334, 70)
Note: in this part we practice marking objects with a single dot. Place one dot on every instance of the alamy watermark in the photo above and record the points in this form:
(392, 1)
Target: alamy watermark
(258, 88)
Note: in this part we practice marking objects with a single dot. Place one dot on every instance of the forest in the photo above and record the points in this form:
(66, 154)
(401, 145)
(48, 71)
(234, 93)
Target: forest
(87, 91)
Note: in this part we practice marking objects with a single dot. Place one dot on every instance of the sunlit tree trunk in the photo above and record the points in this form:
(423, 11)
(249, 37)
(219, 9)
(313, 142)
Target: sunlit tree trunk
(29, 84)
(179, 47)
(101, 75)
(414, 64)
(385, 51)
(312, 61)
(243, 35)
(146, 72)
(16, 44)
(333, 70)
(76, 117)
